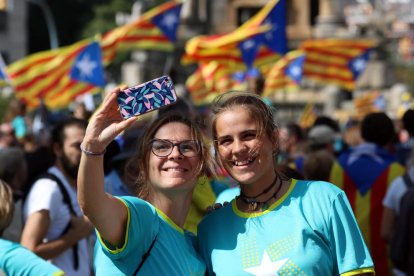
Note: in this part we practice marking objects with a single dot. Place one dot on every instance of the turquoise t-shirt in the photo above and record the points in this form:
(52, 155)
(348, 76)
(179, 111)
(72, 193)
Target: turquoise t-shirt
(311, 230)
(18, 261)
(172, 254)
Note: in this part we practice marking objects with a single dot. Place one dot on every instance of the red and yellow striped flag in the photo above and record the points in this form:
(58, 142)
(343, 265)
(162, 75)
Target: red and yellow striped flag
(224, 48)
(208, 81)
(277, 79)
(144, 33)
(328, 60)
(47, 75)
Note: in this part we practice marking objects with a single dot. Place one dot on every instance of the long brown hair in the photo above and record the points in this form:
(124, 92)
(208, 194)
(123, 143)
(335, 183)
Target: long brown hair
(137, 167)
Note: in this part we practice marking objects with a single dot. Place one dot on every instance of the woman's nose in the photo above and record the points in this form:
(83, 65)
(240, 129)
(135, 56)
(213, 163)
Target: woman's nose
(175, 153)
(239, 146)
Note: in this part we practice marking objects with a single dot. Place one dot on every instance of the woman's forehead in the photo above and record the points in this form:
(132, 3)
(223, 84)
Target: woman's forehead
(174, 131)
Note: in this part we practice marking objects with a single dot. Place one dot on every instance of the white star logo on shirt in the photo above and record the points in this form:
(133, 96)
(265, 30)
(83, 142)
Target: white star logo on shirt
(359, 64)
(169, 20)
(248, 44)
(86, 66)
(266, 267)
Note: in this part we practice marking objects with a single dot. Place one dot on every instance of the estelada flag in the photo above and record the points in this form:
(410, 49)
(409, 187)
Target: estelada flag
(154, 30)
(260, 40)
(46, 75)
(336, 61)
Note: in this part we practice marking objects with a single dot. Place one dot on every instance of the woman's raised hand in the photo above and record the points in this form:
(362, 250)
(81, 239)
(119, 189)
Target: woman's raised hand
(105, 124)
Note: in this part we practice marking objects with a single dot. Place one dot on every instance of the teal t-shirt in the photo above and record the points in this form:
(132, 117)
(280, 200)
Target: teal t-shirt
(172, 254)
(311, 230)
(16, 260)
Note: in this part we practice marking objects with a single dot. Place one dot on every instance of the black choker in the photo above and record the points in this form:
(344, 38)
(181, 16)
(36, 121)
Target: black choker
(254, 204)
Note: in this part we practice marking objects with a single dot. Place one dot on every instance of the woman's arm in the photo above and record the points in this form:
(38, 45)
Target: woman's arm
(107, 214)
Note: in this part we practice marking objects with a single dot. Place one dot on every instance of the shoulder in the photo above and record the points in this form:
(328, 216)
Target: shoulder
(216, 213)
(44, 187)
(317, 186)
(137, 205)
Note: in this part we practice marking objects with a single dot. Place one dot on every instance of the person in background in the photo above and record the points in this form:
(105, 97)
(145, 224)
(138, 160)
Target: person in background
(319, 158)
(13, 170)
(292, 146)
(364, 173)
(16, 116)
(276, 225)
(55, 227)
(392, 203)
(7, 136)
(15, 260)
(145, 233)
(403, 150)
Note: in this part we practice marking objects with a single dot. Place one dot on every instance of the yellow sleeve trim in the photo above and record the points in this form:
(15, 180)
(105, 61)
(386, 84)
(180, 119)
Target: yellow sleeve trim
(59, 273)
(365, 270)
(105, 244)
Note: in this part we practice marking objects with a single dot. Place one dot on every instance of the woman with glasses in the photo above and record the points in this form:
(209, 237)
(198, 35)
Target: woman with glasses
(276, 226)
(143, 233)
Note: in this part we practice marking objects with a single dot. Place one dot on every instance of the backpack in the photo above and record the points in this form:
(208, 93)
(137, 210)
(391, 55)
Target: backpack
(402, 243)
(66, 201)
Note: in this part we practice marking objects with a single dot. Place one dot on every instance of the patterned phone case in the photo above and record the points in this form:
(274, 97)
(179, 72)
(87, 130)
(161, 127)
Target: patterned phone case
(146, 97)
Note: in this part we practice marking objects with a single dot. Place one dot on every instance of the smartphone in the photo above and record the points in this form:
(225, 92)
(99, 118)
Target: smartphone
(146, 97)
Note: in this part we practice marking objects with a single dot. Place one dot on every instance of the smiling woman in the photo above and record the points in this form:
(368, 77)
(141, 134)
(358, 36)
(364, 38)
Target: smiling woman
(276, 224)
(170, 158)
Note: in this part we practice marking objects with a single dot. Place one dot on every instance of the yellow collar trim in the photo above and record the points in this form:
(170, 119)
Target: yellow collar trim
(169, 221)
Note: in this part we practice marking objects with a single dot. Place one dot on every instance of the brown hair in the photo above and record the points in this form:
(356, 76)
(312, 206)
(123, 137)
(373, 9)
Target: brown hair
(254, 105)
(137, 169)
(6, 205)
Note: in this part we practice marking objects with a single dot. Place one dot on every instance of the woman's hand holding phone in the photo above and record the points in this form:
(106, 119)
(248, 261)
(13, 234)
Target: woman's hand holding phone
(105, 124)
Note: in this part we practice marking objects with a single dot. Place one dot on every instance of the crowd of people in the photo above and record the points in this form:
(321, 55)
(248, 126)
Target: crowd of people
(178, 193)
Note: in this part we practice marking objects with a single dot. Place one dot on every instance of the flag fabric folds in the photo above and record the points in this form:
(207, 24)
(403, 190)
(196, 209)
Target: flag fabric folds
(208, 81)
(47, 75)
(154, 30)
(336, 61)
(286, 74)
(4, 77)
(260, 41)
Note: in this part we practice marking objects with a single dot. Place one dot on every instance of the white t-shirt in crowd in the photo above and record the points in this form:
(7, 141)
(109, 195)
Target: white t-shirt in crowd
(45, 195)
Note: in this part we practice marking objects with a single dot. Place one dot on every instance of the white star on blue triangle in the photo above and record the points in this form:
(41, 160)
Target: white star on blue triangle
(168, 22)
(295, 69)
(88, 66)
(358, 64)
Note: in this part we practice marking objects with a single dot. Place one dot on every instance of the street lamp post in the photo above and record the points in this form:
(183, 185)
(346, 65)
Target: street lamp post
(50, 22)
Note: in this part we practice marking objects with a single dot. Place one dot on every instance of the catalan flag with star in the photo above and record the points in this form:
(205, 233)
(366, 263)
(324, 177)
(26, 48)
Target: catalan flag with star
(285, 74)
(336, 61)
(259, 41)
(365, 174)
(154, 30)
(47, 75)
